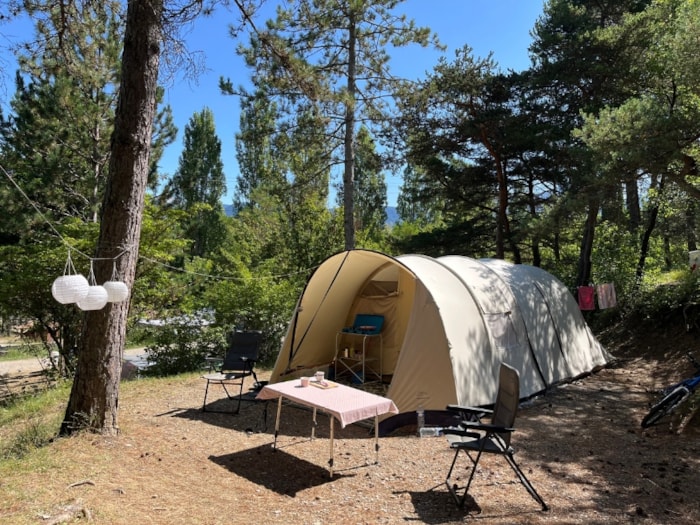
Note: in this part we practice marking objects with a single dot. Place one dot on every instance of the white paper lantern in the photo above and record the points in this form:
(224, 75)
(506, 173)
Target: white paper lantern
(96, 299)
(117, 291)
(70, 288)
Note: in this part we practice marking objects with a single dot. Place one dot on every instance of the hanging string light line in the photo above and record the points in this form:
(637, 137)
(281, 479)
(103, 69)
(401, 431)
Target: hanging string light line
(159, 263)
(50, 225)
(226, 277)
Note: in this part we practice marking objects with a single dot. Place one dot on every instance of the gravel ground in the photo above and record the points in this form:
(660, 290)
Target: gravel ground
(581, 446)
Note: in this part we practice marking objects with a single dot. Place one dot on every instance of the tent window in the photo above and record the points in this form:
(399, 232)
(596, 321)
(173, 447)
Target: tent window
(502, 329)
(380, 289)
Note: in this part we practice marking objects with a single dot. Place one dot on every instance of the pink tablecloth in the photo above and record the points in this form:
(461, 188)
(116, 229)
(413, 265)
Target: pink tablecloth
(344, 403)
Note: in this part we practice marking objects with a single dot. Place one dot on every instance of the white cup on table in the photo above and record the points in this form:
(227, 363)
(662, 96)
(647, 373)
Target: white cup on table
(304, 381)
(319, 376)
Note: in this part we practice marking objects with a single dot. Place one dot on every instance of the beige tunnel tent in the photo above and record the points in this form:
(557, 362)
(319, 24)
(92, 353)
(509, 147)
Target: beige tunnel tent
(448, 323)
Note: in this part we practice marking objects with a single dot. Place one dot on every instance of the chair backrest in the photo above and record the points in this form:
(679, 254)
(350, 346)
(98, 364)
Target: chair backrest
(507, 399)
(370, 324)
(243, 350)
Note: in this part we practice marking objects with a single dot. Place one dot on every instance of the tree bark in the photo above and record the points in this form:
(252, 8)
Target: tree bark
(690, 224)
(349, 143)
(633, 208)
(584, 260)
(94, 398)
(646, 236)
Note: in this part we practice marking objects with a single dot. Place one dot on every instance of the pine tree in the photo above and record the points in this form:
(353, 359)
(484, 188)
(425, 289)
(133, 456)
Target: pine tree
(330, 57)
(94, 397)
(199, 183)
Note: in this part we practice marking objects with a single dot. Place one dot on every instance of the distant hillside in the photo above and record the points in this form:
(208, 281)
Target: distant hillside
(392, 216)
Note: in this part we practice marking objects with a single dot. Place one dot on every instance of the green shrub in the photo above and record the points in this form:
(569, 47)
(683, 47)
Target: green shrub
(35, 434)
(662, 298)
(179, 348)
(30, 422)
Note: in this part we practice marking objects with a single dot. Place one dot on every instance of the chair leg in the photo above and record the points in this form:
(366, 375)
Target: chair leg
(240, 395)
(204, 403)
(460, 500)
(223, 385)
(228, 396)
(526, 483)
(450, 487)
(453, 487)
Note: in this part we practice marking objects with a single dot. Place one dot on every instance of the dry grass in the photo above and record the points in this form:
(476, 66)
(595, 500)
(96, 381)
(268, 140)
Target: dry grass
(581, 446)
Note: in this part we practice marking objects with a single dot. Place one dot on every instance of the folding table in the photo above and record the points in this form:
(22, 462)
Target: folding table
(344, 403)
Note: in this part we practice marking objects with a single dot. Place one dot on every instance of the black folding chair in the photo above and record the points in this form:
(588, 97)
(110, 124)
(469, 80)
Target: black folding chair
(476, 438)
(238, 363)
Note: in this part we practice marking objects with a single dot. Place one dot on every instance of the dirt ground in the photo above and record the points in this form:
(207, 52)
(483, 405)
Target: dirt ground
(581, 446)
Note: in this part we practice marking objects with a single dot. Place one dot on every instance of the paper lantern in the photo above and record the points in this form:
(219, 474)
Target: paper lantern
(96, 299)
(117, 291)
(70, 288)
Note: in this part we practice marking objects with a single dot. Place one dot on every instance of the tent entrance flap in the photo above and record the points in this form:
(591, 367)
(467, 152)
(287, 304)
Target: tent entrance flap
(292, 348)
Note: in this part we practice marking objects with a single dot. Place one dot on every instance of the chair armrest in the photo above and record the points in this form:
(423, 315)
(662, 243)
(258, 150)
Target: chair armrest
(462, 408)
(466, 426)
(454, 431)
(470, 412)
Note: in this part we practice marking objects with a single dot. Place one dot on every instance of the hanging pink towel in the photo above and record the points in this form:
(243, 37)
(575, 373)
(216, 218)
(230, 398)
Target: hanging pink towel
(585, 297)
(606, 296)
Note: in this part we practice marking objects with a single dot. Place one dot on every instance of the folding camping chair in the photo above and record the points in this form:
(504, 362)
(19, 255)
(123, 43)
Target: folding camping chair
(474, 437)
(238, 363)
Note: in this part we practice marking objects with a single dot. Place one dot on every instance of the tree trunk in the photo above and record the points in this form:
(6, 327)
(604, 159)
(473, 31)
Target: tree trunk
(646, 236)
(690, 224)
(633, 209)
(94, 398)
(584, 261)
(349, 172)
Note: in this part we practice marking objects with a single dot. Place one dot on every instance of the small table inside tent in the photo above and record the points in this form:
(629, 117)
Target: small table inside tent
(352, 345)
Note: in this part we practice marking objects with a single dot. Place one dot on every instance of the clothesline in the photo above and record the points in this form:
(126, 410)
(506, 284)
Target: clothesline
(604, 292)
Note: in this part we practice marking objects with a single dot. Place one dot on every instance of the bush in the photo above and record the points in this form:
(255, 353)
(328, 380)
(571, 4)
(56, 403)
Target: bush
(256, 305)
(661, 300)
(183, 348)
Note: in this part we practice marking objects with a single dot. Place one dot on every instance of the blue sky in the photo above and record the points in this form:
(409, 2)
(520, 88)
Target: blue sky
(498, 26)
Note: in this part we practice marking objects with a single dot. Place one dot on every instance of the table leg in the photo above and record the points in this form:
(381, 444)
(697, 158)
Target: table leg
(330, 462)
(313, 426)
(277, 420)
(376, 438)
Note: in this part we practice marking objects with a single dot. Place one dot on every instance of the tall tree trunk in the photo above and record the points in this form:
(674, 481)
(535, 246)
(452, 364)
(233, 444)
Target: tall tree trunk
(668, 254)
(94, 398)
(532, 208)
(646, 236)
(349, 172)
(633, 209)
(584, 260)
(690, 224)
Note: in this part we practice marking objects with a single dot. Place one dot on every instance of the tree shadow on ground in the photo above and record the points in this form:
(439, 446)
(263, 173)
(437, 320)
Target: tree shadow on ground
(605, 452)
(434, 506)
(252, 416)
(276, 470)
(259, 417)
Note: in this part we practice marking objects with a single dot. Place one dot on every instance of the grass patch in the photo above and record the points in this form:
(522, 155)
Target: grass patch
(29, 423)
(21, 351)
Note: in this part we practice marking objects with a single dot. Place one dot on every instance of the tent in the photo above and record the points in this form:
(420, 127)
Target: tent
(449, 322)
